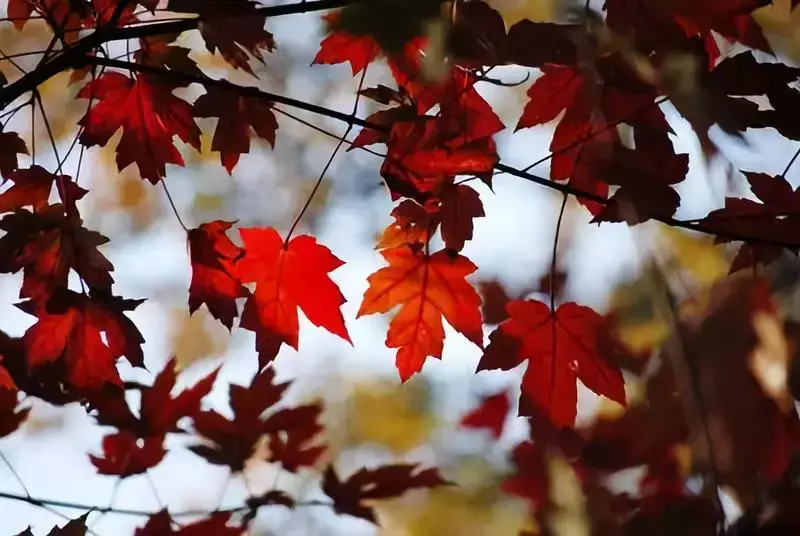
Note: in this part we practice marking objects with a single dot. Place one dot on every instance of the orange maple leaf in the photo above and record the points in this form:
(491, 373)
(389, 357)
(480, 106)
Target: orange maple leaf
(428, 287)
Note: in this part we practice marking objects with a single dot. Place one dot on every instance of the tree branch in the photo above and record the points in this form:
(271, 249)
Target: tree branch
(253, 92)
(74, 56)
(53, 503)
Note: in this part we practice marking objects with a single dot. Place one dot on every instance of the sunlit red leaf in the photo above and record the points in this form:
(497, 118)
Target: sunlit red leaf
(561, 347)
(340, 47)
(149, 115)
(288, 277)
(428, 287)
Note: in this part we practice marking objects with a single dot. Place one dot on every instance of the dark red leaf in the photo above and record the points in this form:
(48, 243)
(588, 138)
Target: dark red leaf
(531, 479)
(215, 278)
(460, 205)
(87, 333)
(159, 52)
(159, 411)
(11, 416)
(289, 432)
(126, 455)
(161, 524)
(11, 145)
(32, 187)
(237, 115)
(47, 244)
(490, 414)
(384, 482)
(235, 28)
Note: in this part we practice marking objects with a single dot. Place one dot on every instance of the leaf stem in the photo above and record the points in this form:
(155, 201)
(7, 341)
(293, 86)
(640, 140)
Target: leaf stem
(328, 164)
(791, 162)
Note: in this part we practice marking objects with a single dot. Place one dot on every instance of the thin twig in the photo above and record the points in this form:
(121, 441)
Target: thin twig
(328, 163)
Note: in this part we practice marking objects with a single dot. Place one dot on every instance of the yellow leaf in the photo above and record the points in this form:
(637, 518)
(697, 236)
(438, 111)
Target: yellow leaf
(567, 516)
(476, 507)
(688, 267)
(396, 417)
(196, 337)
(536, 10)
(641, 326)
(697, 255)
(208, 202)
(782, 27)
(769, 361)
(126, 192)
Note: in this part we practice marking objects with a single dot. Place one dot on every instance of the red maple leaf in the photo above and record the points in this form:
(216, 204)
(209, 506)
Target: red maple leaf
(32, 187)
(149, 115)
(160, 524)
(422, 158)
(495, 298)
(60, 14)
(235, 28)
(159, 411)
(718, 99)
(385, 482)
(460, 205)
(662, 27)
(237, 115)
(593, 103)
(644, 176)
(140, 443)
(775, 218)
(159, 51)
(490, 414)
(531, 478)
(74, 527)
(412, 225)
(294, 446)
(215, 278)
(290, 432)
(340, 47)
(126, 455)
(288, 277)
(11, 145)
(428, 287)
(46, 245)
(561, 347)
(87, 333)
(11, 416)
